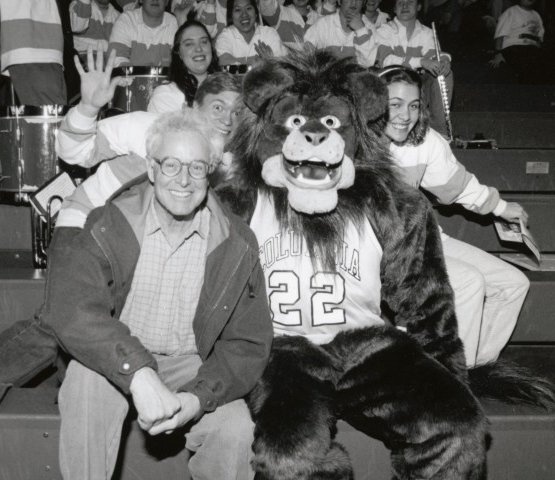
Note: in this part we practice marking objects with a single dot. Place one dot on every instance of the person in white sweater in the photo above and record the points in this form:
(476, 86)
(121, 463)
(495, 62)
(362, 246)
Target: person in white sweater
(193, 59)
(489, 292)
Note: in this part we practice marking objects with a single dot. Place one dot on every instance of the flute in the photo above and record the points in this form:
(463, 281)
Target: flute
(443, 89)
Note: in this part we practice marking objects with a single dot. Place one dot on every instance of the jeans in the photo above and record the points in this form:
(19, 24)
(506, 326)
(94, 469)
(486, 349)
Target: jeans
(93, 412)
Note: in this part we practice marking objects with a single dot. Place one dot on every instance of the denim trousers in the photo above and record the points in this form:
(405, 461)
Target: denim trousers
(93, 412)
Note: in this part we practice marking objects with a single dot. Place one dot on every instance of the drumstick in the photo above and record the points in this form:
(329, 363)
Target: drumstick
(443, 89)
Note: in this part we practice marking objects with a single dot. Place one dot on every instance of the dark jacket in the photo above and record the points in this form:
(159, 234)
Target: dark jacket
(89, 277)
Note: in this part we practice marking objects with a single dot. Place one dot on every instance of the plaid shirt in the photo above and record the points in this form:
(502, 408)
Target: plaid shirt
(164, 294)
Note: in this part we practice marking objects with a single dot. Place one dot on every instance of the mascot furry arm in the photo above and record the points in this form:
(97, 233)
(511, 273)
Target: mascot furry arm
(309, 168)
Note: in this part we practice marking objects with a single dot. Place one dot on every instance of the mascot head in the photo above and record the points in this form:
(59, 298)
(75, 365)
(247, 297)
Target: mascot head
(311, 111)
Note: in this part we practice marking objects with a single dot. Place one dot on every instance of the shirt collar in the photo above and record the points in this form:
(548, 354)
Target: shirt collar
(200, 223)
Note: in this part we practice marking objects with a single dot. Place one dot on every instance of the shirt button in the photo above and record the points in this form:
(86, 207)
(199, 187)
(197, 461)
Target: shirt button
(226, 307)
(126, 366)
(102, 229)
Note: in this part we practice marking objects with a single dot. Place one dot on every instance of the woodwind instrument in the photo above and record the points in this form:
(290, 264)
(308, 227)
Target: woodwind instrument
(443, 88)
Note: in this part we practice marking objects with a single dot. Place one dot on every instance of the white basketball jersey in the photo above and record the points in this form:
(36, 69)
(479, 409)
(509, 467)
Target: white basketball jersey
(317, 304)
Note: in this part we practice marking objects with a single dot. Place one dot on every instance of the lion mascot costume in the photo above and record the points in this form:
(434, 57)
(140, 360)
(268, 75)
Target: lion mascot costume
(344, 244)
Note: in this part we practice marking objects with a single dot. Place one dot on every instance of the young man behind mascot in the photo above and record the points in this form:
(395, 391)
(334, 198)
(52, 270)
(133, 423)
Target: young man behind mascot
(344, 243)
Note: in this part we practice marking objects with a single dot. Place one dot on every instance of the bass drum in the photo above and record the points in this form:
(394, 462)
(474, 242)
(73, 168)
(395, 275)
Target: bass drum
(27, 146)
(137, 95)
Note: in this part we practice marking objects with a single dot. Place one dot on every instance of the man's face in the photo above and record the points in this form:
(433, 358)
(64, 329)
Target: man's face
(372, 5)
(222, 111)
(300, 3)
(406, 10)
(178, 198)
(155, 8)
(351, 8)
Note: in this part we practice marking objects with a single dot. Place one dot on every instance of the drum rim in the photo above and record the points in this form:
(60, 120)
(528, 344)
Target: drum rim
(47, 111)
(140, 71)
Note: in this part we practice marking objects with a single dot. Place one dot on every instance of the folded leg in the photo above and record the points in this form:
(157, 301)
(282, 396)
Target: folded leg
(392, 390)
(293, 411)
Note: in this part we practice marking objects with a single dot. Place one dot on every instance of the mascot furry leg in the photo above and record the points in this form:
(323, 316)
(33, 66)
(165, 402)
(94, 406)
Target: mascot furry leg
(380, 381)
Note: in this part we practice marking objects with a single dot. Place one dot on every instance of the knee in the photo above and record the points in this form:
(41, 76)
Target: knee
(236, 429)
(467, 281)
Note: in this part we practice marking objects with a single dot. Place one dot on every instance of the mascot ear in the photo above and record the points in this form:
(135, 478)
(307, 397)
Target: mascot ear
(265, 81)
(370, 93)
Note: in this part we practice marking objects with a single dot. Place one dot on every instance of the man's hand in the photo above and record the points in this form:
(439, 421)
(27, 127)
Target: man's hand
(445, 66)
(432, 66)
(497, 60)
(514, 213)
(152, 399)
(355, 22)
(190, 407)
(97, 89)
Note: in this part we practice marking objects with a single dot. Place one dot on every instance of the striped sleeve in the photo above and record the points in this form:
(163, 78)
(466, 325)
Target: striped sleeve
(450, 182)
(120, 39)
(365, 47)
(80, 12)
(83, 141)
(98, 188)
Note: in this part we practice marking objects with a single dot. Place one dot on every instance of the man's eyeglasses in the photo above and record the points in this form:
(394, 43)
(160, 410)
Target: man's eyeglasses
(171, 167)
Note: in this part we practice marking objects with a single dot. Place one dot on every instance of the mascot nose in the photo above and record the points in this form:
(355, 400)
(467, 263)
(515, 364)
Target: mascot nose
(315, 138)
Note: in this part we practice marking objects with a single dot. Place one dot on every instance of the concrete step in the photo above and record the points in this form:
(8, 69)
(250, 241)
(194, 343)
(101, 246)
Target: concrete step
(484, 97)
(521, 448)
(508, 129)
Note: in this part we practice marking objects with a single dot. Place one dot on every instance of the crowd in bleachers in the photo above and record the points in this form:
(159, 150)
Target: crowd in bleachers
(39, 38)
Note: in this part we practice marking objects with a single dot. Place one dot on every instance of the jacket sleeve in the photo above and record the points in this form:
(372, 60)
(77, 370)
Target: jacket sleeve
(79, 308)
(241, 352)
(415, 285)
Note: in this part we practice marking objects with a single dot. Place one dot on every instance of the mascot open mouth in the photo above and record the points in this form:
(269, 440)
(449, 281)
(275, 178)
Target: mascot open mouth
(312, 172)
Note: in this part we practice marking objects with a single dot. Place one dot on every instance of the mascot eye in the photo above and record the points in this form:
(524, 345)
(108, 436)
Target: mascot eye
(295, 121)
(331, 121)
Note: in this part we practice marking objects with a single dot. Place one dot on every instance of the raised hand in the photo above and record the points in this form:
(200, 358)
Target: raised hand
(263, 49)
(154, 402)
(97, 86)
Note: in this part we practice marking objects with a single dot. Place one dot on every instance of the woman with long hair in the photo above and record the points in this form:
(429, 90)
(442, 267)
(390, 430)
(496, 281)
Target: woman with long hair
(193, 59)
(488, 291)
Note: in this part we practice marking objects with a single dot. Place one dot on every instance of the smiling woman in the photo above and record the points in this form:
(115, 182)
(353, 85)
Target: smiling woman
(193, 59)
(244, 41)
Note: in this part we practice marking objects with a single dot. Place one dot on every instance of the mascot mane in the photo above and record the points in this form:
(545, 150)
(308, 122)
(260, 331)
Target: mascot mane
(309, 76)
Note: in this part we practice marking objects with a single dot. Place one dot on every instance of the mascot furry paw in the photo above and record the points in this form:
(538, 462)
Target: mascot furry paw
(343, 240)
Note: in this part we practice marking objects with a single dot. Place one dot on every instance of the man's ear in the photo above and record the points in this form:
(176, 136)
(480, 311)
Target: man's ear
(370, 94)
(263, 82)
(150, 169)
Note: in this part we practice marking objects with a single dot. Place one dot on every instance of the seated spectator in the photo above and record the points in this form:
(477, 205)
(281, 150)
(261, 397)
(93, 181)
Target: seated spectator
(518, 41)
(144, 36)
(193, 59)
(489, 292)
(346, 33)
(91, 23)
(31, 49)
(243, 41)
(375, 15)
(293, 18)
(160, 254)
(405, 41)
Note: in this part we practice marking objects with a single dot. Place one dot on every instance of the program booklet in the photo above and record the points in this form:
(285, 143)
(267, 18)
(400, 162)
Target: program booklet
(518, 233)
(52, 193)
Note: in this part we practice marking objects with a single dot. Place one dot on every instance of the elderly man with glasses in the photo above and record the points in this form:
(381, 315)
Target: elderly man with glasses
(160, 301)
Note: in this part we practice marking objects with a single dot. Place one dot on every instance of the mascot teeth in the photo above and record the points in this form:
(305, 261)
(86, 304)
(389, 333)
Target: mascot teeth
(312, 171)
